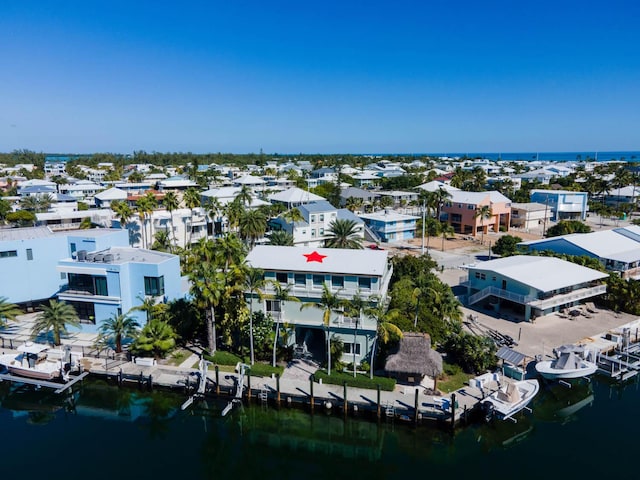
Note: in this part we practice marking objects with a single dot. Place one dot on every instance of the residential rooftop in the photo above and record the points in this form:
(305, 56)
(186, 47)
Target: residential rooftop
(330, 260)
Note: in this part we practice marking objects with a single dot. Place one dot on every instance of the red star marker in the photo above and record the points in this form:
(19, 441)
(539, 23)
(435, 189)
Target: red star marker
(314, 257)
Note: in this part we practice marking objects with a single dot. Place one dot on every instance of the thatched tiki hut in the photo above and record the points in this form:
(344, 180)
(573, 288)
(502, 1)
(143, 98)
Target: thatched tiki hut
(414, 359)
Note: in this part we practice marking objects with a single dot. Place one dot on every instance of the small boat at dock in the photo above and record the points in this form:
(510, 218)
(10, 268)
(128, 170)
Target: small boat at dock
(37, 361)
(509, 399)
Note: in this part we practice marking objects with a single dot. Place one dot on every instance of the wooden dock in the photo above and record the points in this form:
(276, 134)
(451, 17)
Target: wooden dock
(57, 387)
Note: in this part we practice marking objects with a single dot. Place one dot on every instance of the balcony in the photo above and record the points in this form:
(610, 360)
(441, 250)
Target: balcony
(70, 295)
(570, 297)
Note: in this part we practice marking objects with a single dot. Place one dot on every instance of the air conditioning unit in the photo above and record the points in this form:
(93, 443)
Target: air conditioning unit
(81, 255)
(108, 258)
(99, 257)
(91, 257)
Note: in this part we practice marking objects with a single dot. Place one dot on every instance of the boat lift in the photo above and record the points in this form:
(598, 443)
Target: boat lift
(203, 366)
(241, 369)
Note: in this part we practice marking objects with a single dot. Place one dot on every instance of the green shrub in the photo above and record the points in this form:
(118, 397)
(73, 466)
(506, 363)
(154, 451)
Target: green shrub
(360, 381)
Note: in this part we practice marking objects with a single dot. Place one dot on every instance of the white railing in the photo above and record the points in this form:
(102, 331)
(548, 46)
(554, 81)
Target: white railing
(569, 297)
(498, 292)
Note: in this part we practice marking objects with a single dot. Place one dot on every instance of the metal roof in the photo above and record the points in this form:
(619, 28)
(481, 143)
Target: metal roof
(511, 356)
(330, 260)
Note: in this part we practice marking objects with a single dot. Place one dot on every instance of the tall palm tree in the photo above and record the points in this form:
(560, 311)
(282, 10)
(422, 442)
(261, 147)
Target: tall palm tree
(161, 241)
(171, 203)
(233, 211)
(483, 213)
(192, 201)
(282, 295)
(55, 318)
(123, 212)
(447, 231)
(385, 329)
(145, 206)
(117, 328)
(253, 224)
(253, 282)
(293, 215)
(354, 308)
(229, 249)
(343, 234)
(213, 207)
(244, 196)
(281, 237)
(329, 303)
(8, 311)
(208, 285)
(441, 197)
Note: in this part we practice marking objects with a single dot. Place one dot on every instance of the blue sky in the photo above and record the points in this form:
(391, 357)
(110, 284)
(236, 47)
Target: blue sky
(319, 76)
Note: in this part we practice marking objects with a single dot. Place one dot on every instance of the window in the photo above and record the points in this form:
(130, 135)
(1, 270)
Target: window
(154, 286)
(29, 254)
(272, 306)
(483, 276)
(88, 284)
(321, 231)
(313, 232)
(300, 279)
(337, 281)
(73, 248)
(85, 311)
(9, 253)
(282, 277)
(364, 283)
(322, 217)
(456, 217)
(63, 276)
(471, 207)
(349, 347)
(318, 280)
(313, 218)
(477, 274)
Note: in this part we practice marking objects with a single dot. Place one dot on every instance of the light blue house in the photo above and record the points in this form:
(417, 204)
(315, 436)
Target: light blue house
(563, 204)
(526, 287)
(29, 256)
(101, 283)
(346, 273)
(391, 226)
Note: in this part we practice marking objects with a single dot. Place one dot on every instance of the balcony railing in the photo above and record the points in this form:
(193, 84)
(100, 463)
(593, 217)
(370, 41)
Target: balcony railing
(570, 297)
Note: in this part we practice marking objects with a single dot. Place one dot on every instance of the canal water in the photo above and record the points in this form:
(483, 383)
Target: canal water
(101, 431)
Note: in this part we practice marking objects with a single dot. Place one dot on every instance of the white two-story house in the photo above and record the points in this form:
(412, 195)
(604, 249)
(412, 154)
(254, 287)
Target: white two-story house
(346, 273)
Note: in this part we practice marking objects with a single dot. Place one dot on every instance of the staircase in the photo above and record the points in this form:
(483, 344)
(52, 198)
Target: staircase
(370, 235)
(498, 292)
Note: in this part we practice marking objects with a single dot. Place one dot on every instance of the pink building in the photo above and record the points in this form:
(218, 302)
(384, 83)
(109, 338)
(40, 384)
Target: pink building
(460, 212)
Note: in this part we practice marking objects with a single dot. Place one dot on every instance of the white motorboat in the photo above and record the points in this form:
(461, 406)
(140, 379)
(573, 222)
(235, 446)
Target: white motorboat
(33, 361)
(509, 399)
(570, 362)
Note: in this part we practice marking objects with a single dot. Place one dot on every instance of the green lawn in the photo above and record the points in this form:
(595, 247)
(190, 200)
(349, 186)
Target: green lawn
(452, 378)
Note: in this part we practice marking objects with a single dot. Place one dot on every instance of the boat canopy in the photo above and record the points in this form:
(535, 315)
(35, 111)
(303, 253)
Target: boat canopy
(567, 361)
(34, 348)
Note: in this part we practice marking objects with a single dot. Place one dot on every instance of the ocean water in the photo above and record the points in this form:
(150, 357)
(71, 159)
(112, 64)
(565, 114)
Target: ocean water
(631, 156)
(104, 432)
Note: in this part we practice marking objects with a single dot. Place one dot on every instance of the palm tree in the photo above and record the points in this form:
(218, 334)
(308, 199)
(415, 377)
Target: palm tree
(483, 213)
(281, 295)
(281, 237)
(229, 250)
(244, 196)
(156, 337)
(385, 330)
(123, 212)
(253, 282)
(192, 201)
(441, 197)
(55, 318)
(8, 311)
(343, 234)
(253, 224)
(431, 229)
(329, 303)
(293, 215)
(145, 206)
(233, 211)
(354, 203)
(161, 241)
(213, 207)
(171, 203)
(447, 231)
(354, 308)
(117, 328)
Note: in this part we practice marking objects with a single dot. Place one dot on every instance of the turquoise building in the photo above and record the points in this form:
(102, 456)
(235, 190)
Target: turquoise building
(391, 226)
